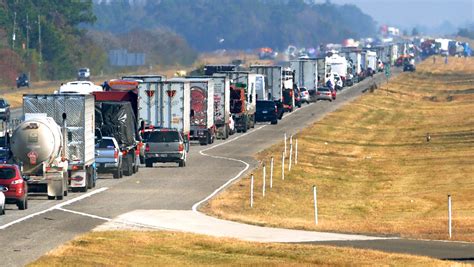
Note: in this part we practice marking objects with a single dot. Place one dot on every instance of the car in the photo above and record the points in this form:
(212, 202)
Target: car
(339, 84)
(12, 178)
(3, 189)
(83, 74)
(165, 145)
(324, 93)
(333, 93)
(144, 134)
(304, 95)
(22, 81)
(108, 157)
(267, 110)
(4, 109)
(409, 67)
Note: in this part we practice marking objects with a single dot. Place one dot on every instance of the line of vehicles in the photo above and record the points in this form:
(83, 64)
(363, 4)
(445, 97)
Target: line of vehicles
(67, 138)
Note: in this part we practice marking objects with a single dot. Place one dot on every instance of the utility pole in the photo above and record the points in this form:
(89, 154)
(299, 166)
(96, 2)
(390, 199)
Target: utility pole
(39, 48)
(14, 30)
(27, 35)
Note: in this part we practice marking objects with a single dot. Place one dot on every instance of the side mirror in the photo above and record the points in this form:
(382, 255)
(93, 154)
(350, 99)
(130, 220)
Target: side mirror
(3, 189)
(26, 178)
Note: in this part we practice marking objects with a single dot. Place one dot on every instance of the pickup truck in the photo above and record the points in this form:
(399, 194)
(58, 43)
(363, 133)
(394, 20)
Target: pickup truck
(108, 157)
(165, 145)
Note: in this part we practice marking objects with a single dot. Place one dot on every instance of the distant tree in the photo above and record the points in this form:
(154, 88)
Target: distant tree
(415, 32)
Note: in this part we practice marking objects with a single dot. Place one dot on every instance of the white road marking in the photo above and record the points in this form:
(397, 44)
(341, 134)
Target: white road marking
(85, 214)
(58, 206)
(247, 165)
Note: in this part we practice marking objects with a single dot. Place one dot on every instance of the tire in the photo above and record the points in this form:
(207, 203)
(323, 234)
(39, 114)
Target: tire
(51, 198)
(90, 181)
(274, 122)
(127, 166)
(59, 198)
(65, 193)
(148, 163)
(182, 163)
(116, 173)
(23, 204)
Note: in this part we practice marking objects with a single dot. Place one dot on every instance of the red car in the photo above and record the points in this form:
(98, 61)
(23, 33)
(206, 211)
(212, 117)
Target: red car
(10, 177)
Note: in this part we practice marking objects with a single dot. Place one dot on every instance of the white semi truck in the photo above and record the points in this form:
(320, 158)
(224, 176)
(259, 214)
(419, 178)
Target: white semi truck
(53, 156)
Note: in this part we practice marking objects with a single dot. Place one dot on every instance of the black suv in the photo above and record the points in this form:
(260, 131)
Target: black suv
(4, 110)
(22, 81)
(267, 111)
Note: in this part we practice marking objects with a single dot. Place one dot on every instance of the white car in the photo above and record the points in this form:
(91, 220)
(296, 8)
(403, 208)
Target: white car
(79, 87)
(2, 199)
(231, 125)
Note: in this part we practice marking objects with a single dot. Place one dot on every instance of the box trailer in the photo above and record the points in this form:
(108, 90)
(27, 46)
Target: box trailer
(306, 73)
(279, 84)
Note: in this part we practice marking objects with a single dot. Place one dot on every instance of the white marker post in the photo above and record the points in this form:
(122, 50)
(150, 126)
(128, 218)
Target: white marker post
(283, 166)
(449, 216)
(285, 144)
(264, 179)
(251, 191)
(315, 205)
(271, 173)
(291, 155)
(296, 151)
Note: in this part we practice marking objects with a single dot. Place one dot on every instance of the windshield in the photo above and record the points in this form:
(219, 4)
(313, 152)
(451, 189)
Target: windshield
(323, 89)
(7, 173)
(163, 137)
(146, 135)
(106, 143)
(3, 103)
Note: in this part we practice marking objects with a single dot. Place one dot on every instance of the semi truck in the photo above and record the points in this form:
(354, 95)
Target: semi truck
(243, 97)
(173, 107)
(338, 64)
(203, 127)
(116, 111)
(306, 73)
(54, 156)
(279, 84)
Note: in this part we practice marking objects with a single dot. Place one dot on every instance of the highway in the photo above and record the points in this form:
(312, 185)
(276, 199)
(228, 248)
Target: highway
(27, 235)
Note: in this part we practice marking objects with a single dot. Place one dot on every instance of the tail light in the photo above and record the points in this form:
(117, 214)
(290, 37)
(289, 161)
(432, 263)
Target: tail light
(147, 148)
(124, 153)
(276, 109)
(75, 167)
(181, 148)
(115, 154)
(318, 93)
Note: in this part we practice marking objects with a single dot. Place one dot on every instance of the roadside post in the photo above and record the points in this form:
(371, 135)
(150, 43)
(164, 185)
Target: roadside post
(285, 144)
(264, 179)
(449, 217)
(251, 191)
(283, 166)
(315, 205)
(271, 172)
(296, 151)
(290, 160)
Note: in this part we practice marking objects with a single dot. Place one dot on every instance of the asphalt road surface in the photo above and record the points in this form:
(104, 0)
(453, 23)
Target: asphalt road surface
(27, 235)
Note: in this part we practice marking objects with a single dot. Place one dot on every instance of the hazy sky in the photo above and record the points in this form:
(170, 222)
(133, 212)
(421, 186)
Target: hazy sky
(407, 13)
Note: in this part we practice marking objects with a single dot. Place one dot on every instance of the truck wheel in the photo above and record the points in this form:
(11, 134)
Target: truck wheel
(182, 163)
(23, 204)
(148, 163)
(127, 165)
(274, 122)
(51, 197)
(116, 173)
(59, 198)
(90, 180)
(65, 193)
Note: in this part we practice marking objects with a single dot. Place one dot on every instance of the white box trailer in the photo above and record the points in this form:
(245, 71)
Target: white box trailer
(260, 88)
(222, 105)
(273, 80)
(80, 127)
(371, 58)
(306, 73)
(322, 70)
(172, 102)
(203, 127)
(147, 85)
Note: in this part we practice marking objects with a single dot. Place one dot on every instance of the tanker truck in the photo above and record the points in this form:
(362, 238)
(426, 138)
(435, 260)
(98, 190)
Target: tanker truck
(53, 156)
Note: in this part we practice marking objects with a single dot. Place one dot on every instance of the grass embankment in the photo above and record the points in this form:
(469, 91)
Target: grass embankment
(178, 249)
(374, 169)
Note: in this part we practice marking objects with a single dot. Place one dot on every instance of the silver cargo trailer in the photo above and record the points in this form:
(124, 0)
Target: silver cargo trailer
(306, 73)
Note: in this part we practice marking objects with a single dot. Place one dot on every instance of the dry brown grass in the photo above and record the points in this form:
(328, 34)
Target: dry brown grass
(374, 170)
(178, 249)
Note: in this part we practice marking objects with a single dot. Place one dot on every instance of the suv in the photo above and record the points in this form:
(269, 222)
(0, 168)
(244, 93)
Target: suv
(165, 145)
(267, 110)
(4, 110)
(11, 178)
(84, 74)
(22, 81)
(108, 157)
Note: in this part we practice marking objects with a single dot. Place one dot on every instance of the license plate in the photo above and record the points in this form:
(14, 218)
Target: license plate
(264, 111)
(163, 155)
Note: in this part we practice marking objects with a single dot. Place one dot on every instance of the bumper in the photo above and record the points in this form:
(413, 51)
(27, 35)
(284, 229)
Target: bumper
(164, 157)
(266, 117)
(329, 97)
